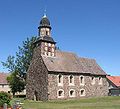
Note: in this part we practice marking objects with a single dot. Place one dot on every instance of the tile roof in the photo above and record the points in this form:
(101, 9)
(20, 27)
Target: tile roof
(3, 77)
(70, 62)
(92, 66)
(115, 80)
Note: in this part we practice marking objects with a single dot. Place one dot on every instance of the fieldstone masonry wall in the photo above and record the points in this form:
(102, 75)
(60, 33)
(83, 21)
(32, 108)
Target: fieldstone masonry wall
(37, 78)
(90, 90)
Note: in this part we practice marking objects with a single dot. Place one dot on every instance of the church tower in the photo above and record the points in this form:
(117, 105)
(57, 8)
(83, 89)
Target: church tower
(47, 43)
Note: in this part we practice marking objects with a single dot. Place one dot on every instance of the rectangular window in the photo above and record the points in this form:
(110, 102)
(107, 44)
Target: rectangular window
(2, 85)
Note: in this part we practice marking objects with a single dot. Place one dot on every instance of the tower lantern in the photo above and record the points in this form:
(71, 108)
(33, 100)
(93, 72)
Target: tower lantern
(44, 28)
(47, 44)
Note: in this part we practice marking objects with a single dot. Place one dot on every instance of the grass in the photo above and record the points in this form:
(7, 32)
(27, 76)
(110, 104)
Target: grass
(86, 103)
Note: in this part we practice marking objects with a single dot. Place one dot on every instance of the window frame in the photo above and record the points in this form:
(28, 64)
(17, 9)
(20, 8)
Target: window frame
(58, 79)
(71, 84)
(74, 94)
(62, 96)
(83, 83)
(83, 92)
(100, 81)
(93, 80)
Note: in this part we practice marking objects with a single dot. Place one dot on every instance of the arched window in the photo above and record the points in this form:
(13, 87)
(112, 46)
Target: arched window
(100, 80)
(82, 92)
(82, 80)
(60, 93)
(92, 80)
(47, 33)
(60, 76)
(71, 80)
(60, 80)
(72, 93)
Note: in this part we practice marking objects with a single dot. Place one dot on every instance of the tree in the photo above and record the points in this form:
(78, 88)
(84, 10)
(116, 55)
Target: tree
(16, 83)
(19, 64)
(24, 56)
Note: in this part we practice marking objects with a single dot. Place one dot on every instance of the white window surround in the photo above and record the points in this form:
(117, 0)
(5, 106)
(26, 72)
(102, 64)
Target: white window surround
(82, 80)
(72, 93)
(92, 80)
(42, 32)
(47, 32)
(53, 54)
(52, 49)
(60, 80)
(45, 43)
(3, 85)
(53, 45)
(82, 92)
(49, 44)
(100, 80)
(46, 48)
(60, 93)
(45, 54)
(71, 80)
(49, 53)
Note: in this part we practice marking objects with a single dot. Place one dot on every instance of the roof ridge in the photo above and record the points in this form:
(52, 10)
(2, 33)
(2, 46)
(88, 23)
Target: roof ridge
(87, 58)
(76, 55)
(67, 52)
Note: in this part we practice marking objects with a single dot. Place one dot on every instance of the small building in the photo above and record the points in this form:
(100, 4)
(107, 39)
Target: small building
(54, 74)
(4, 86)
(114, 85)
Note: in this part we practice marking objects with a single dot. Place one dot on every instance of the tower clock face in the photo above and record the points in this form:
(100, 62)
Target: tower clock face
(49, 49)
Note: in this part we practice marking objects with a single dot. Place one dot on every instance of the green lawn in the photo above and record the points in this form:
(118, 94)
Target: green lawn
(87, 103)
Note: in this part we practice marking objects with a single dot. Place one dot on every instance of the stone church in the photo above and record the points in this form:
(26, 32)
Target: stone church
(54, 74)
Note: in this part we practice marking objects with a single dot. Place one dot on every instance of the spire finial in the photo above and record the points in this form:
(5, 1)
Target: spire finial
(45, 15)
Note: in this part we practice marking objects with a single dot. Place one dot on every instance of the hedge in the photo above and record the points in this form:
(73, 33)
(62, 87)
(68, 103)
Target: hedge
(4, 98)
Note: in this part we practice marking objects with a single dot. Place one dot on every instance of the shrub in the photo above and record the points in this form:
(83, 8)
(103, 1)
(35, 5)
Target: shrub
(4, 98)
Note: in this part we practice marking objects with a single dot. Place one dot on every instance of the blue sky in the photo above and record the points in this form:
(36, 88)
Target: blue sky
(89, 28)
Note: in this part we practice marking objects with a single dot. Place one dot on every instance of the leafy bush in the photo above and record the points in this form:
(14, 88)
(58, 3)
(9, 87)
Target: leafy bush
(4, 98)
